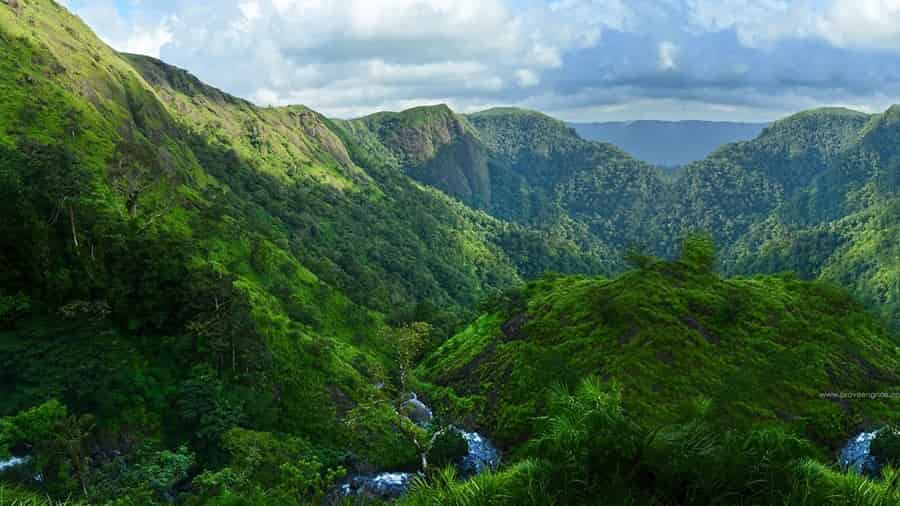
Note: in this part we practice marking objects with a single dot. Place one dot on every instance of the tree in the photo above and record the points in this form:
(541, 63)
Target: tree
(411, 338)
(224, 328)
(11, 307)
(698, 251)
(32, 427)
(886, 446)
(638, 257)
(447, 447)
(70, 434)
(55, 437)
(207, 411)
(131, 173)
(163, 470)
(61, 179)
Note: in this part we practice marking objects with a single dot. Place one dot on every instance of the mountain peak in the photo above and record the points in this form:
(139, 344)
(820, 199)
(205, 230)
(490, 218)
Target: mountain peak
(161, 74)
(510, 111)
(832, 112)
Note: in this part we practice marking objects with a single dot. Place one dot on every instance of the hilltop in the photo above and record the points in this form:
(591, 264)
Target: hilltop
(671, 334)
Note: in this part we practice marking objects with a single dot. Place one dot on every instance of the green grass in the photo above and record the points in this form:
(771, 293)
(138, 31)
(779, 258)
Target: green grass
(760, 349)
(11, 495)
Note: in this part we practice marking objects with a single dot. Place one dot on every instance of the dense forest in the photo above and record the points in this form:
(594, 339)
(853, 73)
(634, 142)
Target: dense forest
(203, 301)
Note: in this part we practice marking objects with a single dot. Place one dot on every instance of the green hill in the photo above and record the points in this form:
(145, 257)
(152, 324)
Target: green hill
(177, 262)
(205, 301)
(673, 333)
(669, 385)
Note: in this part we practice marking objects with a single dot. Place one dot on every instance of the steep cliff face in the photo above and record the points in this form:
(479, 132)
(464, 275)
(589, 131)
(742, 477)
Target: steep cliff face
(435, 146)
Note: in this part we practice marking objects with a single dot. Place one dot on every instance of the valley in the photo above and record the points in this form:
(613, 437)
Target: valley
(207, 301)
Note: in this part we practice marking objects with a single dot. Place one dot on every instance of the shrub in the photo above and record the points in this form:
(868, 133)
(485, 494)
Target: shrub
(447, 448)
(886, 446)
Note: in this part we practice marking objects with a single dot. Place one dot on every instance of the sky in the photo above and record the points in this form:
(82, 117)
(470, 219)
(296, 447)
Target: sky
(578, 60)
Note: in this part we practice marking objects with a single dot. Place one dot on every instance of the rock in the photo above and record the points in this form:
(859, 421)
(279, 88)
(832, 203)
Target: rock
(14, 5)
(417, 411)
(512, 329)
(481, 455)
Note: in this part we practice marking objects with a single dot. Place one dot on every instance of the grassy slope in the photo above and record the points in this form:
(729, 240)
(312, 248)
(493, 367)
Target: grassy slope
(759, 349)
(339, 188)
(267, 242)
(65, 89)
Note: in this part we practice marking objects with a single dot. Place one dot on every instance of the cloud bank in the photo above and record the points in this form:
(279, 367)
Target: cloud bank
(577, 59)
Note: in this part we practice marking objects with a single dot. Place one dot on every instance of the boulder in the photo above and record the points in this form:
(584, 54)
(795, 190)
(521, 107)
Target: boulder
(417, 411)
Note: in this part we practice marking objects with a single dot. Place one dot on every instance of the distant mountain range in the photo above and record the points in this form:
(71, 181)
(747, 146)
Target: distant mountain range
(669, 143)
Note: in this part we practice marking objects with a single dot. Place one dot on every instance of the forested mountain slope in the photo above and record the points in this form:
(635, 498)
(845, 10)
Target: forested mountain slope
(671, 333)
(822, 174)
(521, 166)
(177, 263)
(210, 301)
(838, 211)
(672, 385)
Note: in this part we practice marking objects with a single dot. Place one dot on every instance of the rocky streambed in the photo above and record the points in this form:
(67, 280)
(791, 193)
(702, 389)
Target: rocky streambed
(481, 455)
(856, 455)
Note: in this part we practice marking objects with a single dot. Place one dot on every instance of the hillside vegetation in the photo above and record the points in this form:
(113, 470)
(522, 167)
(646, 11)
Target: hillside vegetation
(820, 175)
(670, 385)
(673, 334)
(178, 262)
(203, 301)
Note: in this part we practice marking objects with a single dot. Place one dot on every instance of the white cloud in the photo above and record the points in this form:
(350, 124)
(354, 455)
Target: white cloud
(128, 35)
(277, 51)
(352, 57)
(667, 56)
(758, 23)
(866, 24)
(148, 41)
(527, 78)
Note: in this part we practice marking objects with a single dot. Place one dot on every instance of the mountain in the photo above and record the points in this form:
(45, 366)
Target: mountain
(178, 262)
(669, 143)
(765, 343)
(810, 170)
(837, 226)
(206, 301)
(523, 167)
(656, 384)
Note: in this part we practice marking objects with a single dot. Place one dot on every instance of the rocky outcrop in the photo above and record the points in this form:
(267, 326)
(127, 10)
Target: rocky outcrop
(437, 147)
(15, 5)
(314, 127)
(416, 411)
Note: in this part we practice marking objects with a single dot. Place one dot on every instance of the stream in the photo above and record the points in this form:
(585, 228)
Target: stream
(13, 462)
(481, 455)
(856, 455)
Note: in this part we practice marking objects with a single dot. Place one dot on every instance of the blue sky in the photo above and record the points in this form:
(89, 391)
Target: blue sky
(580, 60)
